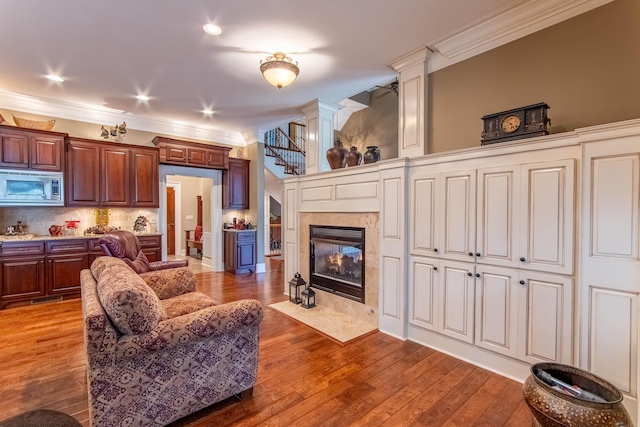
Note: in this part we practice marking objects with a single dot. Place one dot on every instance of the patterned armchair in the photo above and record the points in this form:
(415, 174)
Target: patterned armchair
(157, 350)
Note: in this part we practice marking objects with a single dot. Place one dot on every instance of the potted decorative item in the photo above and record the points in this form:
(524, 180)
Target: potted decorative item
(140, 225)
(70, 227)
(354, 158)
(337, 155)
(372, 155)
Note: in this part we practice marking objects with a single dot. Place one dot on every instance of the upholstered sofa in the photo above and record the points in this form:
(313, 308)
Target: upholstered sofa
(157, 349)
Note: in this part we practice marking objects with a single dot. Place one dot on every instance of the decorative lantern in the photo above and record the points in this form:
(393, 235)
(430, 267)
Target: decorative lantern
(294, 288)
(308, 298)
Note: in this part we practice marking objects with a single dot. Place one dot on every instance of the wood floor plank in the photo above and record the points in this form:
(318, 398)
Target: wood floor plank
(304, 378)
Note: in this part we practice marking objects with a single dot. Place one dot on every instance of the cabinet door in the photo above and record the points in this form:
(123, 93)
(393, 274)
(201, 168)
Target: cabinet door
(246, 256)
(235, 185)
(497, 309)
(229, 251)
(14, 150)
(83, 174)
(458, 215)
(457, 290)
(45, 153)
(176, 153)
(547, 209)
(218, 158)
(63, 272)
(424, 234)
(546, 318)
(424, 292)
(116, 169)
(498, 225)
(197, 156)
(22, 278)
(145, 179)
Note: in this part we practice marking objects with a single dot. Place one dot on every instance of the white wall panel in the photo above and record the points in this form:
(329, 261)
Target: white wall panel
(392, 218)
(316, 194)
(391, 287)
(364, 190)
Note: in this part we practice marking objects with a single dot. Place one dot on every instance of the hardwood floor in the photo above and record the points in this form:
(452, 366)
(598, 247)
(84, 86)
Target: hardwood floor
(304, 378)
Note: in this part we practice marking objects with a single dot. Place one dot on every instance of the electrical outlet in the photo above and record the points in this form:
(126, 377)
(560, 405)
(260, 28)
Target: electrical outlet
(188, 217)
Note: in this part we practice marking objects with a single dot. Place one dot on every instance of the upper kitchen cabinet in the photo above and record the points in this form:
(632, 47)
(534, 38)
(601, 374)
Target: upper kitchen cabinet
(108, 174)
(235, 185)
(184, 153)
(31, 149)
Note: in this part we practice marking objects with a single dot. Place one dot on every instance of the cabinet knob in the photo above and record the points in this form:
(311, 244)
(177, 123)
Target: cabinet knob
(522, 259)
(522, 282)
(469, 274)
(435, 268)
(435, 249)
(477, 274)
(470, 253)
(477, 253)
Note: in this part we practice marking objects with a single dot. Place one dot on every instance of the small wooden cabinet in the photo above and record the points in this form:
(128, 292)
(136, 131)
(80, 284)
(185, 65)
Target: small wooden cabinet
(22, 275)
(65, 260)
(240, 251)
(31, 149)
(235, 185)
(176, 152)
(108, 174)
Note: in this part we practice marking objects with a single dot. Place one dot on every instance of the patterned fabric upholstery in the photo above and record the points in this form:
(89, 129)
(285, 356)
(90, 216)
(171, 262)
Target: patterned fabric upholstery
(129, 302)
(182, 365)
(171, 282)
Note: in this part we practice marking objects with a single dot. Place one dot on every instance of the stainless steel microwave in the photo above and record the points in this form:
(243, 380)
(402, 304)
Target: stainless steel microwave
(31, 188)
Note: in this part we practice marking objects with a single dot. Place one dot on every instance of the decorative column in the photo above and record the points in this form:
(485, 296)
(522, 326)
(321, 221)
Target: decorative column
(319, 134)
(413, 102)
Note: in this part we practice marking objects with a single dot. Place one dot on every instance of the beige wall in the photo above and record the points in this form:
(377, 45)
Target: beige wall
(587, 69)
(375, 125)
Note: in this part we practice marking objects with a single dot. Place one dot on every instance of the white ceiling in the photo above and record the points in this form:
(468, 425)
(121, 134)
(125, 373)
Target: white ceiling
(110, 51)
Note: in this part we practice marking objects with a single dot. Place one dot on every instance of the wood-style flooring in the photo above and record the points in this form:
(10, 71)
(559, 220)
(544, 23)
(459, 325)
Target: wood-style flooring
(304, 378)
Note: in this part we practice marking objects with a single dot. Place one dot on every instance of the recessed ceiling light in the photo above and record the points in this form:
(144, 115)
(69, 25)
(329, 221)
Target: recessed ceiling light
(212, 29)
(142, 97)
(208, 112)
(54, 78)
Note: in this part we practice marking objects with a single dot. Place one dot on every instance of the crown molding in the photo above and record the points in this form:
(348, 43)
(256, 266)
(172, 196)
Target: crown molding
(102, 115)
(408, 60)
(515, 21)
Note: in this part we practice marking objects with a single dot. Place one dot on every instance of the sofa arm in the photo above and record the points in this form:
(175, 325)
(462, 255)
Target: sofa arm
(193, 327)
(170, 283)
(163, 265)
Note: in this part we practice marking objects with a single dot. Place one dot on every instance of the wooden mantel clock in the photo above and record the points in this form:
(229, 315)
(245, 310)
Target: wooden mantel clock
(523, 122)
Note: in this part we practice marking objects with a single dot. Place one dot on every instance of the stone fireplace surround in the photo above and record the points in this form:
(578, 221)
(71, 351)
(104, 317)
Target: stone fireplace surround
(367, 312)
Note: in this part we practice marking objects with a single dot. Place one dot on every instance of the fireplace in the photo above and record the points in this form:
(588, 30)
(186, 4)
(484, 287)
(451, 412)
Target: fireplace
(337, 260)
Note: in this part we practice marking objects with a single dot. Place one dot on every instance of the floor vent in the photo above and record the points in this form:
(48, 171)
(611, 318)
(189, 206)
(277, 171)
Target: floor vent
(48, 299)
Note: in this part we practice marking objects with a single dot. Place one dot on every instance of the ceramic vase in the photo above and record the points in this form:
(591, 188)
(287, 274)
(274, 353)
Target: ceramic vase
(372, 155)
(337, 155)
(354, 158)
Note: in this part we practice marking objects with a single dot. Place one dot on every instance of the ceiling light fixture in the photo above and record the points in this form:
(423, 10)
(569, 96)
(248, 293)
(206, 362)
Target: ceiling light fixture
(54, 78)
(279, 70)
(212, 29)
(207, 112)
(142, 97)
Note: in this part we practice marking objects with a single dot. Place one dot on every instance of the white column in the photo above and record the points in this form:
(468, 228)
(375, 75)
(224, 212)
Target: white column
(319, 134)
(413, 103)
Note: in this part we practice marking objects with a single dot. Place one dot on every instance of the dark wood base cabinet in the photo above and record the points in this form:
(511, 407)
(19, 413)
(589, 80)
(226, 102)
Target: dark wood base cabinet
(39, 271)
(240, 251)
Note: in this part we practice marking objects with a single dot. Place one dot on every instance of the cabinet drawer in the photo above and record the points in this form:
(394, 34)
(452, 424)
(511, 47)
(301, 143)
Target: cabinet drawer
(66, 246)
(150, 241)
(94, 245)
(246, 236)
(21, 248)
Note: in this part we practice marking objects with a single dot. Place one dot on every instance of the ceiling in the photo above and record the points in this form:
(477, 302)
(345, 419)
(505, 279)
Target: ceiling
(110, 51)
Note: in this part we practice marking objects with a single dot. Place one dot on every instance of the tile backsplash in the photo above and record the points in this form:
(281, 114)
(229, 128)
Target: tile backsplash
(38, 219)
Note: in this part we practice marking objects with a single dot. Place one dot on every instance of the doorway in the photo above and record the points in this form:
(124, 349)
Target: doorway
(171, 221)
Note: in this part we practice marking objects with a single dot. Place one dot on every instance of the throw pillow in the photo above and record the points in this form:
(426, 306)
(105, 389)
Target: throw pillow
(129, 302)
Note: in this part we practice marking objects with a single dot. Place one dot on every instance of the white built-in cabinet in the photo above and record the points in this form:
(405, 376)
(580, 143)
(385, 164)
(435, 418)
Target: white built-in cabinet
(610, 261)
(491, 257)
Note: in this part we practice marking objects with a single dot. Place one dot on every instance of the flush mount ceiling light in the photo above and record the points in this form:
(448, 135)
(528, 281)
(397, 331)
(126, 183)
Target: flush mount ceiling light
(279, 70)
(54, 78)
(142, 98)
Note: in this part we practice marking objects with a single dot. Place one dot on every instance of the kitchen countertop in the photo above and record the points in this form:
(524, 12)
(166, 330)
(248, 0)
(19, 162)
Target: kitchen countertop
(233, 230)
(35, 238)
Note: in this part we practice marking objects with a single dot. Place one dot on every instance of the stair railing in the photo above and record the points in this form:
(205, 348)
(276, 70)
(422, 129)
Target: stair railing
(287, 151)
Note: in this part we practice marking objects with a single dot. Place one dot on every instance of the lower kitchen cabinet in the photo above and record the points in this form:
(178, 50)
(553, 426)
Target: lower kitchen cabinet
(22, 278)
(240, 251)
(522, 314)
(65, 260)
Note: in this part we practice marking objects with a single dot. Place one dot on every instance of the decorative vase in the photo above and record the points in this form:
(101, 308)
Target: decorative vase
(354, 158)
(372, 155)
(601, 405)
(337, 155)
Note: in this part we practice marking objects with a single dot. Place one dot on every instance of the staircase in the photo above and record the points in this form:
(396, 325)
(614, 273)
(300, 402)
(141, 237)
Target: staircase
(288, 149)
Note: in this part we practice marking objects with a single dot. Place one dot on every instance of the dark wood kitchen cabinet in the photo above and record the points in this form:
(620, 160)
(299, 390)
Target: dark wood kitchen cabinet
(111, 175)
(31, 149)
(240, 251)
(184, 153)
(235, 185)
(22, 272)
(65, 260)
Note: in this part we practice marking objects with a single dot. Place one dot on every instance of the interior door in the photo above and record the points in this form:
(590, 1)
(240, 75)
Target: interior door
(171, 221)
